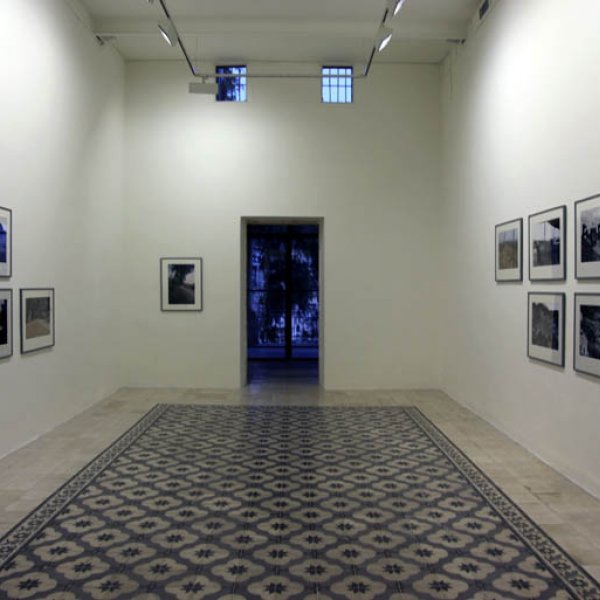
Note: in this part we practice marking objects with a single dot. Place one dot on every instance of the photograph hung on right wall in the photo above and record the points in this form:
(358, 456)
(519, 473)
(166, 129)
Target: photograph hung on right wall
(586, 325)
(546, 327)
(509, 251)
(547, 245)
(6, 343)
(587, 238)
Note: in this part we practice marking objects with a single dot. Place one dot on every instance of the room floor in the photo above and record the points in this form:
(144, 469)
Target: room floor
(564, 511)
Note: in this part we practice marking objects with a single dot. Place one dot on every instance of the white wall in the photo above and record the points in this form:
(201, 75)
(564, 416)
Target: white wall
(521, 135)
(61, 132)
(371, 170)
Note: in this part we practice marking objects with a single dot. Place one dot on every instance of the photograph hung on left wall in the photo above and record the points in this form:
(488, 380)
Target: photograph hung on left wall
(181, 284)
(37, 319)
(5, 242)
(6, 318)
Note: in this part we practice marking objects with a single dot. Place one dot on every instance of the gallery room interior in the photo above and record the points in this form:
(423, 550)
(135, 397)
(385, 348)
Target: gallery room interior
(293, 309)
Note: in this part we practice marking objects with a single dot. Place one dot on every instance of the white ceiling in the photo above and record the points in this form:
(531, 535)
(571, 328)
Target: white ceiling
(316, 31)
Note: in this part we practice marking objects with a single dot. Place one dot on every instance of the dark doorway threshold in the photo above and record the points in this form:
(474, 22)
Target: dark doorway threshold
(283, 372)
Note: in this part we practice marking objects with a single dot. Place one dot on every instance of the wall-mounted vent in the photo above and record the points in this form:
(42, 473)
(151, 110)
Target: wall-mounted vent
(483, 9)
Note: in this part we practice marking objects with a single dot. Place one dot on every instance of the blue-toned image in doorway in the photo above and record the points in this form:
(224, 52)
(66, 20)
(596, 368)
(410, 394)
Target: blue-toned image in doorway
(283, 302)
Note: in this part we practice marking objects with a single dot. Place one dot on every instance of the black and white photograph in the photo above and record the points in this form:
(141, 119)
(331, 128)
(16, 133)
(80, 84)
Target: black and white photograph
(546, 327)
(5, 242)
(37, 319)
(6, 342)
(547, 245)
(586, 324)
(181, 284)
(587, 238)
(509, 251)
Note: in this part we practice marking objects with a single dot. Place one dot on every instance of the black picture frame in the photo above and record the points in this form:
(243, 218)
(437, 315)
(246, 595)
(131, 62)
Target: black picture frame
(586, 266)
(187, 296)
(34, 336)
(503, 273)
(545, 251)
(6, 323)
(6, 243)
(539, 326)
(586, 363)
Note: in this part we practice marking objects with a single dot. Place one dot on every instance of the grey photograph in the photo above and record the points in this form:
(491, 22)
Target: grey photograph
(546, 243)
(182, 288)
(589, 331)
(590, 235)
(508, 249)
(37, 318)
(545, 326)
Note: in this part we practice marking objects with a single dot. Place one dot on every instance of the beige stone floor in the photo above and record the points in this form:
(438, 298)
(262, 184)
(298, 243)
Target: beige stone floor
(566, 512)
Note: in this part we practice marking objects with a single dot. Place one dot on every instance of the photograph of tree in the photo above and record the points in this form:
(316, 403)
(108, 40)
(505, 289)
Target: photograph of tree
(182, 284)
(589, 331)
(590, 235)
(545, 326)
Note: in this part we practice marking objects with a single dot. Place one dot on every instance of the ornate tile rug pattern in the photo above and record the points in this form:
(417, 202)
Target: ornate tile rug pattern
(323, 503)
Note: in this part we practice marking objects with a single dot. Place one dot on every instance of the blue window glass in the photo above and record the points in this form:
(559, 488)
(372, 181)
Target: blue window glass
(232, 89)
(337, 85)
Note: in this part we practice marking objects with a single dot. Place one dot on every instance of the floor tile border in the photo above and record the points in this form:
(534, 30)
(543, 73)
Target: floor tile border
(30, 525)
(568, 570)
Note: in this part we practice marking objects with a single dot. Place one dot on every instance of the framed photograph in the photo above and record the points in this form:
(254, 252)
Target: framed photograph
(586, 326)
(587, 238)
(37, 319)
(6, 320)
(181, 284)
(509, 251)
(548, 245)
(5, 242)
(546, 327)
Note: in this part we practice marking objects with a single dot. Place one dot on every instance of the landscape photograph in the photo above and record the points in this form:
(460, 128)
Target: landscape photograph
(589, 334)
(37, 317)
(546, 243)
(590, 235)
(182, 287)
(545, 326)
(508, 249)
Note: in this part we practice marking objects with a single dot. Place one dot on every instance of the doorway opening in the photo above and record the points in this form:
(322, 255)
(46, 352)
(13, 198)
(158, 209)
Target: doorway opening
(282, 303)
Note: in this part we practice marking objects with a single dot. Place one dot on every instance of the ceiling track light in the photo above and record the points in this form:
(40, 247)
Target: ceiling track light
(169, 32)
(384, 36)
(394, 7)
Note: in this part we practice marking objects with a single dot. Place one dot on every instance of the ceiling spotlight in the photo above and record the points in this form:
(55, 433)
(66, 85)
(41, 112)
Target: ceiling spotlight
(169, 33)
(384, 35)
(394, 6)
